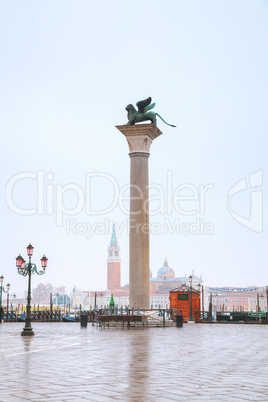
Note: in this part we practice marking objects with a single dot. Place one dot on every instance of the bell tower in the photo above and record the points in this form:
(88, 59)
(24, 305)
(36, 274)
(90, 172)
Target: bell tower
(113, 264)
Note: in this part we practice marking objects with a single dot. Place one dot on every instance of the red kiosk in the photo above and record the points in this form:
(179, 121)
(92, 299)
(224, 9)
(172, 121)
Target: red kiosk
(185, 300)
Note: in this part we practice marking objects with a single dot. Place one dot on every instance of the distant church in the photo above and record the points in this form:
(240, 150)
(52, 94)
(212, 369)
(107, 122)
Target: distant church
(165, 280)
(159, 287)
(113, 264)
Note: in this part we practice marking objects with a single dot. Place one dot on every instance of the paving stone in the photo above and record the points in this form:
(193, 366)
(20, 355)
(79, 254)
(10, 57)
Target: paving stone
(63, 362)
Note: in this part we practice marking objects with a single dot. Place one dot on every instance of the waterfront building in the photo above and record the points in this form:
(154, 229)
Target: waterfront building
(229, 299)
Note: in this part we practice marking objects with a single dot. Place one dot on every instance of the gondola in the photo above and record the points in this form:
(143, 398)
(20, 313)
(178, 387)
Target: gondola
(68, 319)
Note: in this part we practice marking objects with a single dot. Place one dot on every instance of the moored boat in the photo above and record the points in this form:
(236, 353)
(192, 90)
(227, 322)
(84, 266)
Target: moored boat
(68, 319)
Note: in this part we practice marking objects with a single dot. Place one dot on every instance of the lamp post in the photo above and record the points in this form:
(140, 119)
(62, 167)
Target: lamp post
(258, 302)
(95, 302)
(25, 270)
(2, 289)
(14, 297)
(51, 300)
(191, 298)
(7, 305)
(199, 286)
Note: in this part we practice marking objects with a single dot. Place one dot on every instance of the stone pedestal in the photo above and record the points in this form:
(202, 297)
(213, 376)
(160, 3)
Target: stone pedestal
(139, 138)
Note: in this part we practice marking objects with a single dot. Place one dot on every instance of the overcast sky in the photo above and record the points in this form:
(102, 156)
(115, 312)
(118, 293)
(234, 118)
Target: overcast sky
(68, 69)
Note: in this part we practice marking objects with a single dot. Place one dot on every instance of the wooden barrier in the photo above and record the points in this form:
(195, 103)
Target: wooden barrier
(136, 319)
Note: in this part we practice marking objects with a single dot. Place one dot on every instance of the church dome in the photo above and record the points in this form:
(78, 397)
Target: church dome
(165, 272)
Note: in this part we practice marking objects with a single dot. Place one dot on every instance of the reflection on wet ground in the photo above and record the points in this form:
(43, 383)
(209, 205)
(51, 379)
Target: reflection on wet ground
(64, 362)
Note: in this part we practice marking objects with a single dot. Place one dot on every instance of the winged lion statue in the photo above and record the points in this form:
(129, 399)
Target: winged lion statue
(143, 113)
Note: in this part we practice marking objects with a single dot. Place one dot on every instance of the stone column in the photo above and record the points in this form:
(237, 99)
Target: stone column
(139, 138)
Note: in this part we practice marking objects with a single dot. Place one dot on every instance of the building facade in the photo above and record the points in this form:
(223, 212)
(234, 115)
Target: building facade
(251, 299)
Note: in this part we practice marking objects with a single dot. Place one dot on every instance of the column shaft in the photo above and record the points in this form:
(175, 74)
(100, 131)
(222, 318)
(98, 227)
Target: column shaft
(139, 296)
(139, 138)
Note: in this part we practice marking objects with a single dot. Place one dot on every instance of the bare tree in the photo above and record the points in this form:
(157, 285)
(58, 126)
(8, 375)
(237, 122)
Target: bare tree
(41, 293)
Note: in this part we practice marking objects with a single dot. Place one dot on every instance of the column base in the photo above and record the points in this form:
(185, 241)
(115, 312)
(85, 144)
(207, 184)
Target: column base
(27, 332)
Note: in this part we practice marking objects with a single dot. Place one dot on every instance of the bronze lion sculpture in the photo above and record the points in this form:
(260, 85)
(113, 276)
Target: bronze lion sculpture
(143, 114)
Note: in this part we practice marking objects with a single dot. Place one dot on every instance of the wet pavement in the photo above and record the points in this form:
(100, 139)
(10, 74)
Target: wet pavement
(64, 362)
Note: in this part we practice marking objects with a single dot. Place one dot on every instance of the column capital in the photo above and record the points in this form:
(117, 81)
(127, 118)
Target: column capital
(140, 136)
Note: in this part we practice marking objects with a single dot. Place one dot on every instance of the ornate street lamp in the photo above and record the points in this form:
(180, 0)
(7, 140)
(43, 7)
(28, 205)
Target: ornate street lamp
(191, 298)
(25, 270)
(2, 289)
